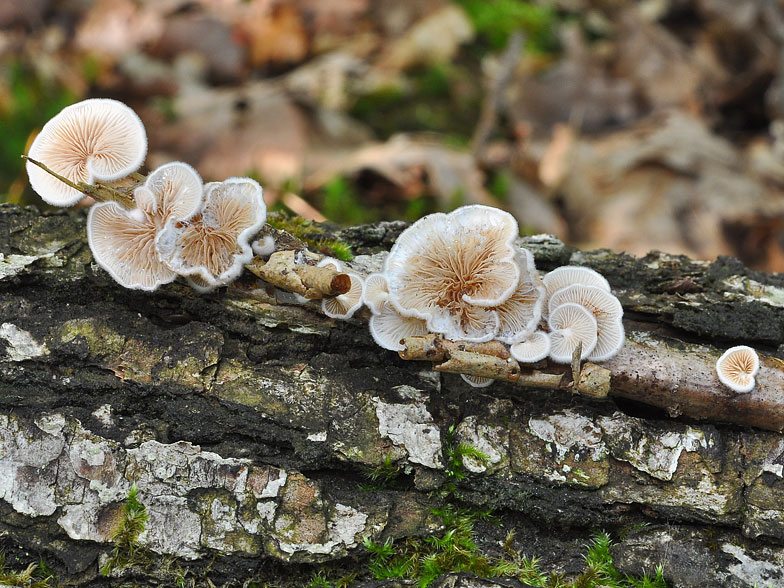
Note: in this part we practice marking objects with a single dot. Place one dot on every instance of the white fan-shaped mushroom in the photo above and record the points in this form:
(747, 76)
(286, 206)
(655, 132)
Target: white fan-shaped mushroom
(477, 381)
(123, 241)
(213, 246)
(571, 324)
(535, 348)
(345, 305)
(567, 275)
(737, 367)
(388, 327)
(94, 140)
(451, 269)
(607, 311)
(375, 293)
(520, 315)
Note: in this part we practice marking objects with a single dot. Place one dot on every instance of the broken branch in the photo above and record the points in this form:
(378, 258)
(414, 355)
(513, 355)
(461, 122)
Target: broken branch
(285, 272)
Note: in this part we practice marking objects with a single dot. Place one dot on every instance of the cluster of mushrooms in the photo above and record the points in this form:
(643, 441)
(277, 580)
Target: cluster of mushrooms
(174, 226)
(459, 276)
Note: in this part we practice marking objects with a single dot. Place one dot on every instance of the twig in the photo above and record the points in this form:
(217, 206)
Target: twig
(492, 360)
(283, 271)
(120, 191)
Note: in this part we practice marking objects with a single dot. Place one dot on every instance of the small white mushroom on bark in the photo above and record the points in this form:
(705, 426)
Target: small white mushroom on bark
(375, 293)
(568, 275)
(212, 248)
(342, 306)
(607, 311)
(123, 241)
(93, 140)
(388, 327)
(535, 348)
(571, 324)
(451, 270)
(477, 381)
(520, 314)
(737, 367)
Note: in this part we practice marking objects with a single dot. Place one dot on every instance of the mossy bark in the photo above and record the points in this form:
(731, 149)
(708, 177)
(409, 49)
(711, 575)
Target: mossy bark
(249, 426)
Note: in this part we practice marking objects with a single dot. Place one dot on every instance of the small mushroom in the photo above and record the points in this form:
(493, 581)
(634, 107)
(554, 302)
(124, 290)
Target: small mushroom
(519, 316)
(568, 275)
(452, 269)
(535, 348)
(342, 306)
(93, 140)
(388, 327)
(737, 367)
(477, 381)
(607, 311)
(375, 293)
(123, 241)
(212, 248)
(571, 324)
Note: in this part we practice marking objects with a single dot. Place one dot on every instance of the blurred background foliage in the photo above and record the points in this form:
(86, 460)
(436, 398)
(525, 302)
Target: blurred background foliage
(634, 125)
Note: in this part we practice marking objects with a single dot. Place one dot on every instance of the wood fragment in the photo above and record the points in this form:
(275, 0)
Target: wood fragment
(480, 365)
(283, 271)
(434, 347)
(593, 380)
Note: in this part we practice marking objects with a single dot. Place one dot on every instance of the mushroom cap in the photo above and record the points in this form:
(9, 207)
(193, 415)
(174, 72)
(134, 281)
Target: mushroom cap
(477, 381)
(520, 314)
(123, 241)
(215, 244)
(737, 367)
(607, 311)
(535, 348)
(566, 275)
(571, 324)
(388, 327)
(94, 140)
(345, 305)
(451, 269)
(375, 293)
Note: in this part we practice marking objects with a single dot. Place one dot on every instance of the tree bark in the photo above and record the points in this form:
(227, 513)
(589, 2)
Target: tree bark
(249, 425)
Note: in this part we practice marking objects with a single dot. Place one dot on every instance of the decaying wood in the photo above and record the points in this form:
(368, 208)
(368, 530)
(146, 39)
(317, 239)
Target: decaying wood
(248, 426)
(284, 271)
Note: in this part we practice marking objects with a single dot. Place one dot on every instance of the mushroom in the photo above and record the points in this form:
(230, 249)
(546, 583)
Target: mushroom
(93, 140)
(520, 314)
(388, 327)
(451, 270)
(375, 293)
(571, 324)
(477, 381)
(568, 275)
(212, 248)
(342, 306)
(737, 367)
(123, 241)
(535, 348)
(607, 311)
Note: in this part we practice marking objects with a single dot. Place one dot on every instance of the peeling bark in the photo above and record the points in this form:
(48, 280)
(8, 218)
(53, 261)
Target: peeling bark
(247, 425)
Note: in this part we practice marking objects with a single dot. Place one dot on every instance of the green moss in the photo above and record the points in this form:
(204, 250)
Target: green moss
(311, 235)
(127, 550)
(455, 550)
(33, 576)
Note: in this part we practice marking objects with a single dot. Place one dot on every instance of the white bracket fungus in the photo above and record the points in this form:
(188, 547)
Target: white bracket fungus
(123, 241)
(737, 367)
(450, 270)
(534, 348)
(343, 306)
(94, 140)
(571, 324)
(214, 246)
